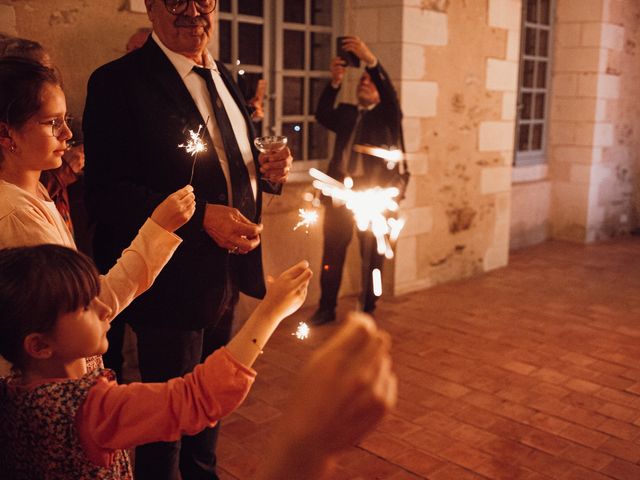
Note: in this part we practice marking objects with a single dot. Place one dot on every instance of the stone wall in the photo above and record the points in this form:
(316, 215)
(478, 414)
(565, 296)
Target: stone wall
(455, 64)
(626, 129)
(81, 35)
(592, 154)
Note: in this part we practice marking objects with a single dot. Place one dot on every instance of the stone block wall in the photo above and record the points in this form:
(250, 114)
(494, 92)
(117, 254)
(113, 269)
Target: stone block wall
(455, 67)
(592, 119)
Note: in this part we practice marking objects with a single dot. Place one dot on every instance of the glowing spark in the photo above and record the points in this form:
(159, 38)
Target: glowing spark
(194, 146)
(307, 218)
(302, 332)
(368, 207)
(392, 156)
(377, 282)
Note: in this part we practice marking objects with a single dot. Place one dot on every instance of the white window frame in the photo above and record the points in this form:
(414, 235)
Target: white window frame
(273, 70)
(534, 157)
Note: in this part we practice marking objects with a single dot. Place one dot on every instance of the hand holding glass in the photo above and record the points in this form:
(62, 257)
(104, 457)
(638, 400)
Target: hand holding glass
(270, 143)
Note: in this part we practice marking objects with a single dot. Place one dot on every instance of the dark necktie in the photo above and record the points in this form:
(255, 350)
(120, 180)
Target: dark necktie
(241, 190)
(352, 157)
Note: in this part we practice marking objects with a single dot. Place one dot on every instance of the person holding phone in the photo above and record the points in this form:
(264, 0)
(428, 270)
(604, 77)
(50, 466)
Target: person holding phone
(375, 121)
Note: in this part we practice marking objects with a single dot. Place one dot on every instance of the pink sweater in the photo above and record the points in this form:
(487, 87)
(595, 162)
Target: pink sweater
(38, 439)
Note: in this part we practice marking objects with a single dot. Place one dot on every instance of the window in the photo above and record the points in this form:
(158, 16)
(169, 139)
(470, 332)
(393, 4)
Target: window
(534, 84)
(290, 43)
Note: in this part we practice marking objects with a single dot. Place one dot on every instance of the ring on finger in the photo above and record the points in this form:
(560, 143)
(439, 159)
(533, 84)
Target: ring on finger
(234, 250)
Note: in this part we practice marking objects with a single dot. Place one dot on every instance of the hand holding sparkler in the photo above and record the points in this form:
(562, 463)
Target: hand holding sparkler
(176, 209)
(287, 292)
(285, 295)
(230, 229)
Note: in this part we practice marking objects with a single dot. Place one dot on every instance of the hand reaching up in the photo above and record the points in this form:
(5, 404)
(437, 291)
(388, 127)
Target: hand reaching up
(287, 293)
(176, 209)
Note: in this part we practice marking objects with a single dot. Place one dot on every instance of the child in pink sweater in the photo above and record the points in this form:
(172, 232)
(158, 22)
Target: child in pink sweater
(59, 422)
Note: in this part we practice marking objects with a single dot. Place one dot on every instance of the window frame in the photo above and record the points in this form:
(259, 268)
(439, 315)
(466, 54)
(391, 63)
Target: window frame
(273, 70)
(525, 158)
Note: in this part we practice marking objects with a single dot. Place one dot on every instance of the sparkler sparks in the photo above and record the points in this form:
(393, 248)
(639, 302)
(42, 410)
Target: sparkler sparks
(392, 156)
(376, 275)
(194, 146)
(368, 206)
(302, 332)
(307, 218)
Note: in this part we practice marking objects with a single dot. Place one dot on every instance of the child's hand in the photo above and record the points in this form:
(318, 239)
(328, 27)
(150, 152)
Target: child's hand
(176, 209)
(287, 293)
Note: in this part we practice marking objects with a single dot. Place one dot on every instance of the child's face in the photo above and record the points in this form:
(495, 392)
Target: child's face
(37, 147)
(82, 333)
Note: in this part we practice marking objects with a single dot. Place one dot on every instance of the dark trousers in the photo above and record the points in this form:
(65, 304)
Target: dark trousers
(338, 230)
(165, 353)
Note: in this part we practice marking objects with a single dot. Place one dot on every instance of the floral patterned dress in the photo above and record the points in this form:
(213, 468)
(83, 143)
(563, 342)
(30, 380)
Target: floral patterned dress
(39, 439)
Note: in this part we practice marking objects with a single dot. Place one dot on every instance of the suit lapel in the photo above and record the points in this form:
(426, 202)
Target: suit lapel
(162, 72)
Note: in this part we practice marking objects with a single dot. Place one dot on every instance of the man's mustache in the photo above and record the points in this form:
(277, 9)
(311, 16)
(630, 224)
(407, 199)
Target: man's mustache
(184, 21)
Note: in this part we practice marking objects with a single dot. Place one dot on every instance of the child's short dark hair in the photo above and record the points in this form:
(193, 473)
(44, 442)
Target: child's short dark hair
(37, 285)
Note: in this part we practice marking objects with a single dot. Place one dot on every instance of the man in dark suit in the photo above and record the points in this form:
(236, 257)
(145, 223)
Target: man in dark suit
(375, 121)
(139, 108)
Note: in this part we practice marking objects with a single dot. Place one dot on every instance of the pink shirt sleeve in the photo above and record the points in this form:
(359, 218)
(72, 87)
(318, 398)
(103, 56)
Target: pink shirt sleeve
(123, 416)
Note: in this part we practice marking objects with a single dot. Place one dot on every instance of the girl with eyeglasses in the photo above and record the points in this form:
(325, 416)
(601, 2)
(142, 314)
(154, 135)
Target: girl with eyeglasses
(33, 138)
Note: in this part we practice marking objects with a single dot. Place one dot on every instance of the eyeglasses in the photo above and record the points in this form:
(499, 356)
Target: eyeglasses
(178, 7)
(57, 124)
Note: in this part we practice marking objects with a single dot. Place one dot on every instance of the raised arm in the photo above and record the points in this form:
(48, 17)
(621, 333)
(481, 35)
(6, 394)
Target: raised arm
(117, 416)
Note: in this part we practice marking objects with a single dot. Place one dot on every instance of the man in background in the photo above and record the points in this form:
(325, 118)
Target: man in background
(374, 121)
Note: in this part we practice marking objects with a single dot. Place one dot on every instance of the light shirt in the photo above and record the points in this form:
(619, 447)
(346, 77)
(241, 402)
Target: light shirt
(198, 90)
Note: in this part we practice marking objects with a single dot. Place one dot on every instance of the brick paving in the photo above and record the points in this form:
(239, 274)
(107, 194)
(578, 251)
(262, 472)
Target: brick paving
(528, 372)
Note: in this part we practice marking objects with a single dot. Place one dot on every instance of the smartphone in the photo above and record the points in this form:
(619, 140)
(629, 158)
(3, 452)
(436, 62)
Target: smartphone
(350, 59)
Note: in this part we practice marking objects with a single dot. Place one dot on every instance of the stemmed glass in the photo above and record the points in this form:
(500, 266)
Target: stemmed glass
(270, 143)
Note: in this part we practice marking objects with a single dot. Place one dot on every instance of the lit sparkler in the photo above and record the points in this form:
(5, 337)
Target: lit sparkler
(194, 146)
(368, 206)
(392, 156)
(307, 218)
(376, 275)
(302, 332)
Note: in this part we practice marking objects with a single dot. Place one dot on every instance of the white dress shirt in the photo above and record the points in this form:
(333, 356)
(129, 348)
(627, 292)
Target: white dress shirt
(198, 90)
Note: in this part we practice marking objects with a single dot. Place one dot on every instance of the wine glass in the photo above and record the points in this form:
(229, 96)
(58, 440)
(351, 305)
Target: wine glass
(270, 143)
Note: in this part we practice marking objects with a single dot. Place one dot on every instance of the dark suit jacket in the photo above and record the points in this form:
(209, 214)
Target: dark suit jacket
(381, 127)
(137, 112)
